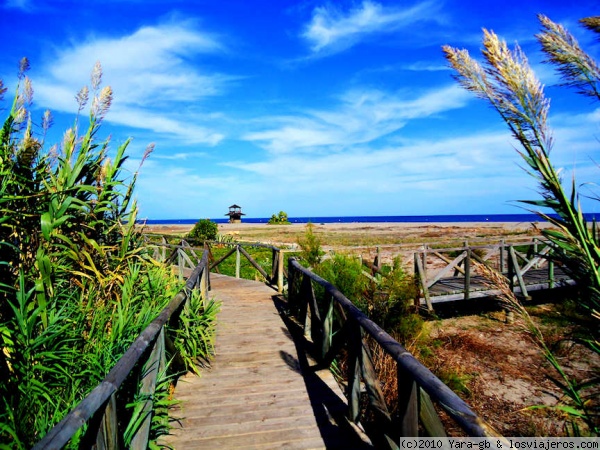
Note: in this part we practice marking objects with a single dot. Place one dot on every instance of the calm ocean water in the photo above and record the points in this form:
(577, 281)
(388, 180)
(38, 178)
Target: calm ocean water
(380, 219)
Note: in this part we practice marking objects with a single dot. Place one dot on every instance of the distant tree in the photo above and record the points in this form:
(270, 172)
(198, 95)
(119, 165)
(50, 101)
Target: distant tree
(204, 230)
(279, 219)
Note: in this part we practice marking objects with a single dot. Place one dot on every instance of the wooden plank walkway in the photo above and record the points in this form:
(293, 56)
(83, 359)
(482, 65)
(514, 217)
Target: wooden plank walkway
(259, 391)
(453, 288)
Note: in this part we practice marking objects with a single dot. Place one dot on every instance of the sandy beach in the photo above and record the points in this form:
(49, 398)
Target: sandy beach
(391, 238)
(377, 227)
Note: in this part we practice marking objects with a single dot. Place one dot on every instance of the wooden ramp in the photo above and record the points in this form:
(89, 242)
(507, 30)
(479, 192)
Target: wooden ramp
(259, 391)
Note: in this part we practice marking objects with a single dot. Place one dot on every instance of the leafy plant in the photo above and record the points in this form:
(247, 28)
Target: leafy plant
(76, 285)
(194, 334)
(204, 230)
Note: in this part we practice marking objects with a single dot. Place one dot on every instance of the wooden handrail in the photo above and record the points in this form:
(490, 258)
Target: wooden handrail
(97, 400)
(412, 374)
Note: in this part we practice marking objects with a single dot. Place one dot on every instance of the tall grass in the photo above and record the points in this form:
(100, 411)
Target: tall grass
(508, 84)
(76, 287)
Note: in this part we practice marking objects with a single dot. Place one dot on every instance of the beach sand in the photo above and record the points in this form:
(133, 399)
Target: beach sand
(376, 227)
(389, 238)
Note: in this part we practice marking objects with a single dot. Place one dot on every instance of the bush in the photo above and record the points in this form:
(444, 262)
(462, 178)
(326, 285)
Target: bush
(204, 230)
(311, 247)
(279, 219)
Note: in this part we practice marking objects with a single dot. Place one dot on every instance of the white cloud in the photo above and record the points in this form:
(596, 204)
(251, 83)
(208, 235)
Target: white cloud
(153, 74)
(410, 176)
(361, 117)
(333, 30)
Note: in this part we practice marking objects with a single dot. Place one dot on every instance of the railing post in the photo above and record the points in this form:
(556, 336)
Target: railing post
(354, 355)
(180, 264)
(237, 261)
(103, 429)
(203, 285)
(327, 329)
(502, 256)
(291, 283)
(274, 262)
(550, 273)
(424, 262)
(150, 372)
(468, 274)
(421, 277)
(408, 407)
(280, 271)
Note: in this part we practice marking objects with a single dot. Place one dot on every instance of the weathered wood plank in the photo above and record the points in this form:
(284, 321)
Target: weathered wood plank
(254, 395)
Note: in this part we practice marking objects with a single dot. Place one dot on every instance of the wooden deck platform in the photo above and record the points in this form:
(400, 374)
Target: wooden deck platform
(453, 288)
(259, 391)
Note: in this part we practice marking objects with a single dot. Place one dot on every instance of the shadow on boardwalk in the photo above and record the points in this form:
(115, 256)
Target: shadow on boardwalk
(260, 391)
(326, 397)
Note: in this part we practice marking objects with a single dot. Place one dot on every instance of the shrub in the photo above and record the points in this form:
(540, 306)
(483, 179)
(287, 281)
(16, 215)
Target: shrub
(279, 219)
(204, 230)
(311, 247)
(345, 273)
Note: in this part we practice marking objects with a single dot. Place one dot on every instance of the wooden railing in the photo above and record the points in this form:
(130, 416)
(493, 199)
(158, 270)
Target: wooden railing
(417, 386)
(184, 257)
(146, 355)
(515, 261)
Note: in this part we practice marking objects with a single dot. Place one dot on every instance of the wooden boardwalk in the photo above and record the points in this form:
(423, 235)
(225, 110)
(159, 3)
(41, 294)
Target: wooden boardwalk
(453, 288)
(259, 391)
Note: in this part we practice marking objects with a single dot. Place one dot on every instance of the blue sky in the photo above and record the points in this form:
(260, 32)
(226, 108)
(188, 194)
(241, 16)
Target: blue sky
(317, 108)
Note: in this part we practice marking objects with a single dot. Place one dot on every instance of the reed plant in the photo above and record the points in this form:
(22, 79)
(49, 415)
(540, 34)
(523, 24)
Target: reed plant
(76, 285)
(509, 85)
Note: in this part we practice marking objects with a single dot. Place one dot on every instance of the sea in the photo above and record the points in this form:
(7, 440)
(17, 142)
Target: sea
(457, 218)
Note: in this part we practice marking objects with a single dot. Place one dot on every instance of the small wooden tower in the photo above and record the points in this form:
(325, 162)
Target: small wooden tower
(235, 214)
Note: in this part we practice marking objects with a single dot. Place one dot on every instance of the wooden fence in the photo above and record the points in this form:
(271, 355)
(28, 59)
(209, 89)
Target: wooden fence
(451, 274)
(184, 257)
(146, 355)
(417, 386)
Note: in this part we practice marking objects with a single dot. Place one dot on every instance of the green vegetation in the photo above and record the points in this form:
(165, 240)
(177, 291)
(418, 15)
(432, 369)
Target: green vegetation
(509, 85)
(76, 287)
(279, 219)
(387, 298)
(204, 230)
(310, 244)
(262, 255)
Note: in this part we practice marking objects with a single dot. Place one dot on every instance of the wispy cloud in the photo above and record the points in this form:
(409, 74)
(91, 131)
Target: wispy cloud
(153, 70)
(361, 116)
(332, 30)
(425, 66)
(416, 175)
